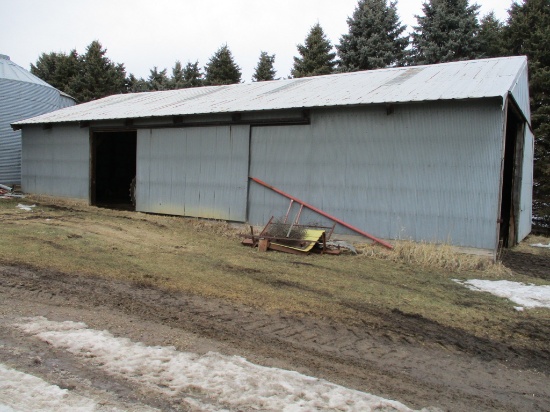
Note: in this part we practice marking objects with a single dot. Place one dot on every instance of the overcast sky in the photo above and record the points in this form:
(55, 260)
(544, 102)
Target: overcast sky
(146, 33)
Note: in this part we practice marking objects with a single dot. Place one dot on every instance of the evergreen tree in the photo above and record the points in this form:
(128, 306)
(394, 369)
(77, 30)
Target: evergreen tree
(84, 77)
(135, 85)
(177, 80)
(528, 33)
(221, 68)
(448, 31)
(99, 77)
(264, 70)
(158, 80)
(316, 56)
(58, 69)
(192, 75)
(375, 37)
(491, 37)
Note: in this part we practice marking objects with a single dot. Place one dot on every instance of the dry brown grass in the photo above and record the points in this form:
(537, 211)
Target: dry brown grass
(206, 258)
(434, 256)
(526, 247)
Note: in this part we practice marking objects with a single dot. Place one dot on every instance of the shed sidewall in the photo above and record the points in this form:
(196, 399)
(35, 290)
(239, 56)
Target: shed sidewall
(427, 172)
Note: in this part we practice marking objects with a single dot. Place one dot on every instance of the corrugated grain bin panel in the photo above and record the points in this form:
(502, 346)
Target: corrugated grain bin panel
(399, 176)
(18, 101)
(22, 96)
(200, 172)
(56, 161)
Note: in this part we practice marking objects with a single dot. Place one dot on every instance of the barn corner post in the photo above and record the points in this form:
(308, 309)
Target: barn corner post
(498, 226)
(514, 160)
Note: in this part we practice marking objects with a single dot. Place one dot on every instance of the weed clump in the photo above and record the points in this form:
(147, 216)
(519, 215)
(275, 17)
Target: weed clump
(219, 228)
(437, 256)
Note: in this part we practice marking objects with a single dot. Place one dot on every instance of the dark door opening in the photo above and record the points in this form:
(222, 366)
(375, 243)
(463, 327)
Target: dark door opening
(511, 183)
(113, 168)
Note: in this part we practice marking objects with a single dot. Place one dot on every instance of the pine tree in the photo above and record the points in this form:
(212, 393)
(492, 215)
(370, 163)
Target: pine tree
(177, 80)
(446, 32)
(316, 56)
(221, 68)
(528, 33)
(491, 37)
(99, 76)
(135, 85)
(58, 69)
(375, 38)
(158, 80)
(264, 70)
(84, 77)
(192, 75)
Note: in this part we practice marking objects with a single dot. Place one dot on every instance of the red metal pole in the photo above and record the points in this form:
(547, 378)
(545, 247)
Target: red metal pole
(340, 222)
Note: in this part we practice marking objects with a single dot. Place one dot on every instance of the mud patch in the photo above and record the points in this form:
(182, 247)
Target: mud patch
(527, 264)
(400, 356)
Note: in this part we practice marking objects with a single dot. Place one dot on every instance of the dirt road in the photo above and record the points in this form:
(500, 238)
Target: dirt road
(404, 358)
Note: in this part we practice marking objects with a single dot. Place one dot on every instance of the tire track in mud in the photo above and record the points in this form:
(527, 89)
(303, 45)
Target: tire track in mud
(404, 356)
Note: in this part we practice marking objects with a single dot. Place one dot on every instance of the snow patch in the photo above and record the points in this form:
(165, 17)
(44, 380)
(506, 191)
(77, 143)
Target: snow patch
(27, 208)
(22, 392)
(526, 295)
(541, 245)
(209, 382)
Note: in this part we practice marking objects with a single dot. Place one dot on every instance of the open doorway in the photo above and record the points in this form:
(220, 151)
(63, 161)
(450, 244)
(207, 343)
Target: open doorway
(511, 178)
(113, 168)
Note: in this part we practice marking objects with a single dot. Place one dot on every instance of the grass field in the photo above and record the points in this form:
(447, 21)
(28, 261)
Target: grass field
(206, 258)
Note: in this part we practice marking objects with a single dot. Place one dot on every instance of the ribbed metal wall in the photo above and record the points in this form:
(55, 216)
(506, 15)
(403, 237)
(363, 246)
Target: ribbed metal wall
(526, 197)
(56, 161)
(20, 100)
(201, 171)
(426, 172)
(520, 91)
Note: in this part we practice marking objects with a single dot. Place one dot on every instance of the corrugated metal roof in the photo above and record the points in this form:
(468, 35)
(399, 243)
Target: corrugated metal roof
(11, 71)
(458, 80)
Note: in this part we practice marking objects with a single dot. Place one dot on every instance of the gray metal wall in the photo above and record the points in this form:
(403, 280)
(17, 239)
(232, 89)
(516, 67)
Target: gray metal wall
(56, 161)
(21, 100)
(427, 172)
(520, 92)
(199, 171)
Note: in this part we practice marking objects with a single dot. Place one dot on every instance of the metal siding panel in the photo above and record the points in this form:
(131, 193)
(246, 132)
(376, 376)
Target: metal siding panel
(56, 161)
(526, 197)
(428, 172)
(200, 172)
(143, 166)
(520, 91)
